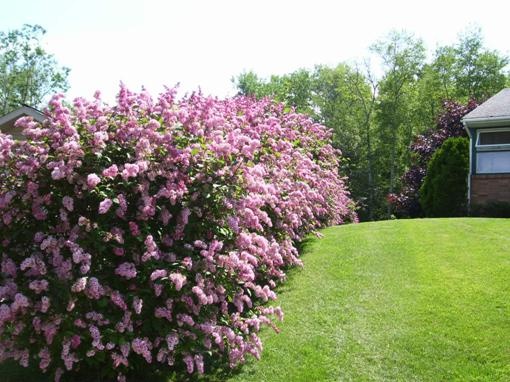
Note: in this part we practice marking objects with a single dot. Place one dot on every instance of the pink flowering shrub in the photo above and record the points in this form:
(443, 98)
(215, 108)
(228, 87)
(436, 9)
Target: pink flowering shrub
(150, 235)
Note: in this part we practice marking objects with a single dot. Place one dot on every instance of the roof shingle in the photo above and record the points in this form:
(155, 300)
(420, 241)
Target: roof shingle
(498, 106)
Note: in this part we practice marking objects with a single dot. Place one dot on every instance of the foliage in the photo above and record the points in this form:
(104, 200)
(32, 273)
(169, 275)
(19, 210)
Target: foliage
(468, 70)
(27, 72)
(403, 56)
(339, 98)
(494, 209)
(449, 125)
(376, 120)
(444, 189)
(148, 236)
(400, 300)
(294, 89)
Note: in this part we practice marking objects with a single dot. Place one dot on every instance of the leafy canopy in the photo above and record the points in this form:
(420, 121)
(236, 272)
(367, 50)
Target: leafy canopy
(27, 72)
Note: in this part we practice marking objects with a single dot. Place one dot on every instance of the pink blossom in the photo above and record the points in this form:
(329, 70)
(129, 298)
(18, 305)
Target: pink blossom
(57, 173)
(38, 286)
(104, 206)
(79, 285)
(137, 305)
(8, 267)
(20, 302)
(130, 171)
(199, 362)
(93, 180)
(45, 304)
(45, 356)
(117, 299)
(75, 341)
(190, 365)
(96, 337)
(178, 280)
(172, 340)
(133, 227)
(94, 289)
(111, 172)
(68, 203)
(157, 274)
(142, 346)
(126, 270)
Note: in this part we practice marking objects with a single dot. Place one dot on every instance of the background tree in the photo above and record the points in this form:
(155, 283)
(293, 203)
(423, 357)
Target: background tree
(376, 122)
(460, 72)
(293, 89)
(27, 72)
(403, 57)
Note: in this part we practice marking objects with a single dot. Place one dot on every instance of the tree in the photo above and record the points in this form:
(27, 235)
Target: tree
(468, 70)
(293, 89)
(403, 57)
(444, 190)
(27, 72)
(364, 87)
(344, 100)
(478, 71)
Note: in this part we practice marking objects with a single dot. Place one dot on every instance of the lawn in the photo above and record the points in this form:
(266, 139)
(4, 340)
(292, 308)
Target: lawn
(408, 300)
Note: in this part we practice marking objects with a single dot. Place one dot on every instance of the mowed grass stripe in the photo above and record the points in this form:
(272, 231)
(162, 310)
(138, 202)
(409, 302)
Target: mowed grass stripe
(422, 300)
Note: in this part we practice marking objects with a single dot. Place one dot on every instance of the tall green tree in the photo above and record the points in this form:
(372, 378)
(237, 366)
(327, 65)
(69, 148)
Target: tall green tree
(344, 101)
(460, 72)
(403, 57)
(478, 72)
(294, 89)
(27, 72)
(364, 87)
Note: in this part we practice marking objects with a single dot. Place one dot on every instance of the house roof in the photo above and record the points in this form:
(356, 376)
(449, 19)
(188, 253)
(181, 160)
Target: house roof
(496, 108)
(25, 110)
(7, 122)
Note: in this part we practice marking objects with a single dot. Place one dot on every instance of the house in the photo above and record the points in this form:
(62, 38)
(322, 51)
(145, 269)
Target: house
(7, 121)
(488, 127)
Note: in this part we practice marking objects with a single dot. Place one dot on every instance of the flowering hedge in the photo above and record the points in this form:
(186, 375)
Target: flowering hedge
(149, 235)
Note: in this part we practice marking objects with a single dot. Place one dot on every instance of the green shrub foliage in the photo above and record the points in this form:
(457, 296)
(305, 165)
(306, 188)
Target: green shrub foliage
(444, 190)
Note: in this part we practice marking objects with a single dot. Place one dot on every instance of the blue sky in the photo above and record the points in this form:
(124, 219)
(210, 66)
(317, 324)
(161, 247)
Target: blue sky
(200, 43)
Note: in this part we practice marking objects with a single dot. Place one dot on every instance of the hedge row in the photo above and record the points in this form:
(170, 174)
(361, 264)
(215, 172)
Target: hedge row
(148, 236)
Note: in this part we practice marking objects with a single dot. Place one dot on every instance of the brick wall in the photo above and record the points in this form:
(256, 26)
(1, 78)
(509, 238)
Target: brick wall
(486, 188)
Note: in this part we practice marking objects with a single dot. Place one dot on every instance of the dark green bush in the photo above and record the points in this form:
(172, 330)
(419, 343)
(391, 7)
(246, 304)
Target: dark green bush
(492, 209)
(444, 190)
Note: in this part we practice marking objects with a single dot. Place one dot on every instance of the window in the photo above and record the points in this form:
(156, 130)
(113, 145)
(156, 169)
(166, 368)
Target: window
(493, 151)
(492, 162)
(493, 139)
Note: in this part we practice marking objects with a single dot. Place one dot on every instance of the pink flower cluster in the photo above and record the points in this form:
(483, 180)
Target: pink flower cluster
(155, 230)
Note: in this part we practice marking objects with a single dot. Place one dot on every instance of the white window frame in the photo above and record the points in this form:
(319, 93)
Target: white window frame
(496, 147)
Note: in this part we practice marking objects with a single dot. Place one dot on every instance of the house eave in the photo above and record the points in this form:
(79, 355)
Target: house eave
(486, 122)
(22, 111)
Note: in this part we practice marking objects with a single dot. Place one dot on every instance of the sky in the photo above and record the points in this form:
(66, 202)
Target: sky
(203, 44)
